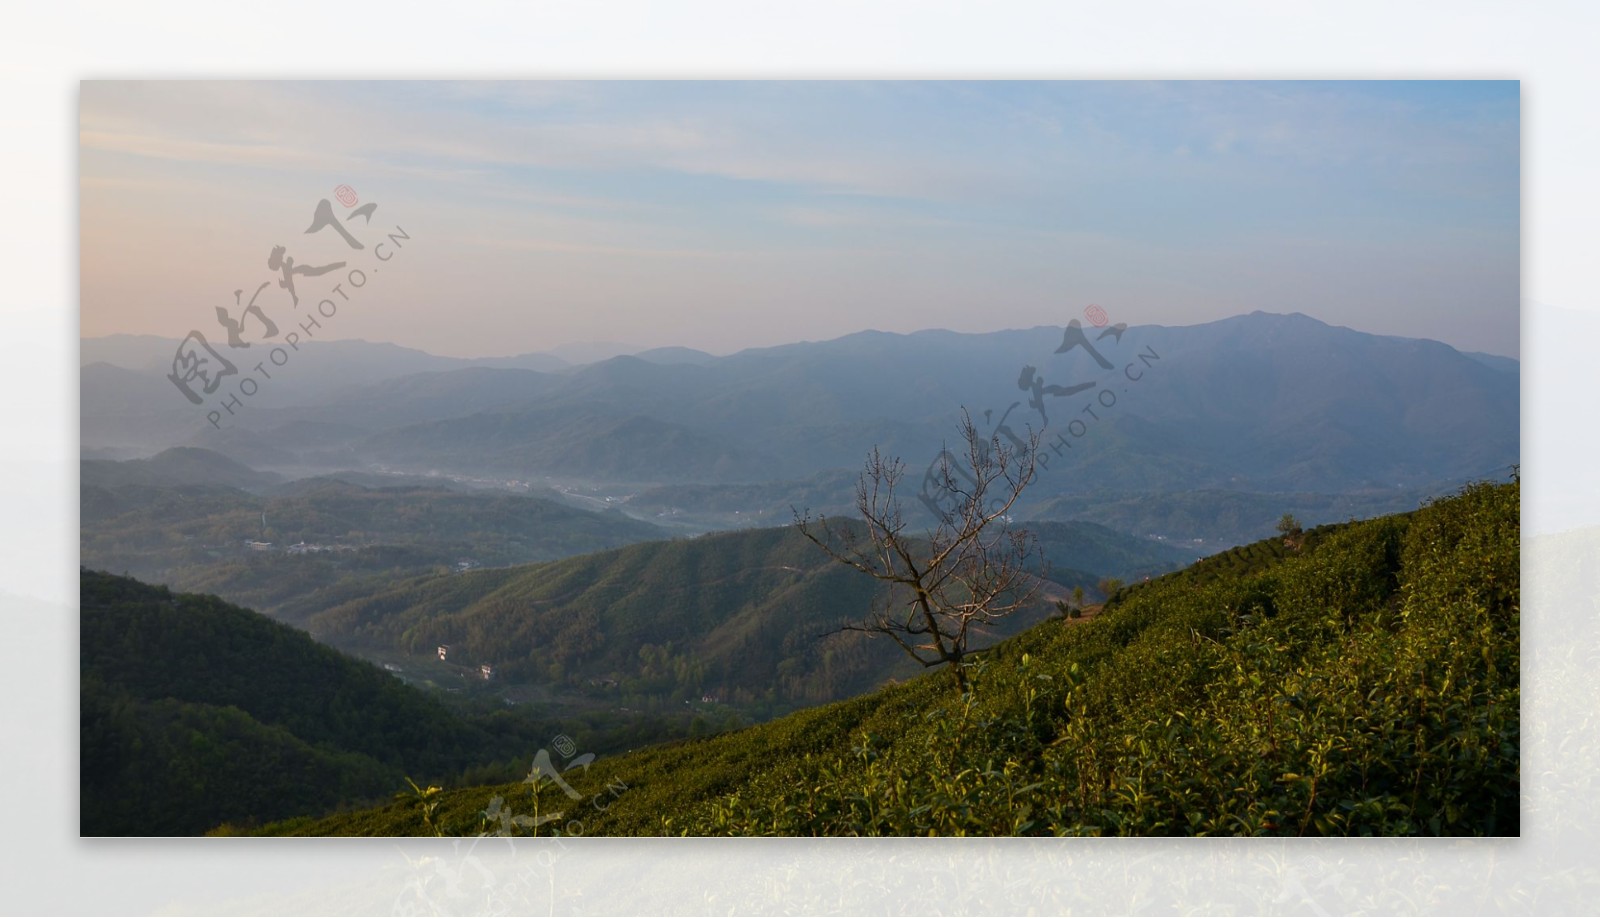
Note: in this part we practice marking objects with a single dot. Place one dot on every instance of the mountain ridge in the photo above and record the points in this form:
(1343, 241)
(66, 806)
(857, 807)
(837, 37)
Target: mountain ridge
(1258, 403)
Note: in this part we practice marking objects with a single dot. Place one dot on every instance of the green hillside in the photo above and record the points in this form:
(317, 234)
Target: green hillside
(740, 617)
(1364, 682)
(195, 712)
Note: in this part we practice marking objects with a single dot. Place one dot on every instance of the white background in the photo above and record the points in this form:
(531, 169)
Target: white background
(46, 49)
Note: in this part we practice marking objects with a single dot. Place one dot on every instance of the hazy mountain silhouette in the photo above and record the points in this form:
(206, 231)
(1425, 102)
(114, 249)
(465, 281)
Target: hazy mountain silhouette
(1261, 402)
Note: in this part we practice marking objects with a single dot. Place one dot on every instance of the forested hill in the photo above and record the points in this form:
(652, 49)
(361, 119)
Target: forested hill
(1356, 679)
(195, 712)
(744, 618)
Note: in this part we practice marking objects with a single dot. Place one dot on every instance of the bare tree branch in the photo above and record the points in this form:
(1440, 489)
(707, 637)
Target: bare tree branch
(969, 569)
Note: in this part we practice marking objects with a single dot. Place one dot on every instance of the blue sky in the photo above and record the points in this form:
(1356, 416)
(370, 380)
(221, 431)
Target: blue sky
(729, 215)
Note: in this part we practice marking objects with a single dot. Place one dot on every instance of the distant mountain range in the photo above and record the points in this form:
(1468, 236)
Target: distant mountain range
(1254, 404)
(353, 362)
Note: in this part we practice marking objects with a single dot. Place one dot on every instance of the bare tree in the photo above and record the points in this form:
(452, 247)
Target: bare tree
(968, 570)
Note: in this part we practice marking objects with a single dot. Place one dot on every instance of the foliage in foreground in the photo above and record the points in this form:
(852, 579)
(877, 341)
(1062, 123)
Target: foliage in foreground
(1364, 683)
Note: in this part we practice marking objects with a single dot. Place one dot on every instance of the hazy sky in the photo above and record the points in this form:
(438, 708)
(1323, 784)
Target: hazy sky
(730, 215)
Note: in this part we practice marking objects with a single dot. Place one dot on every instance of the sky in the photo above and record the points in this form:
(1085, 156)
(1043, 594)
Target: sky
(726, 215)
